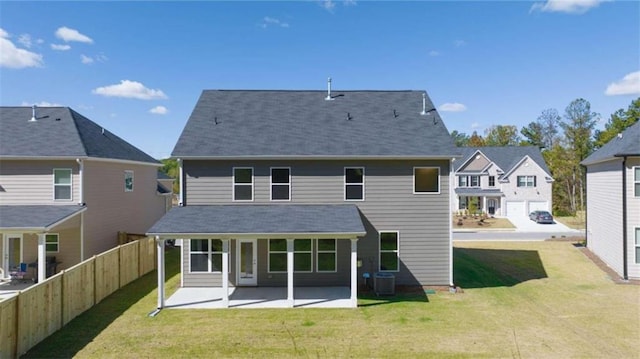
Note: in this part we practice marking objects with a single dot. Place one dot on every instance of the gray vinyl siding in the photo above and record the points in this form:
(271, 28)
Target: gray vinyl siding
(31, 182)
(604, 212)
(541, 192)
(390, 205)
(633, 219)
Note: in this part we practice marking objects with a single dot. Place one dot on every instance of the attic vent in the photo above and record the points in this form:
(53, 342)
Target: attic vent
(103, 131)
(33, 114)
(620, 135)
(328, 98)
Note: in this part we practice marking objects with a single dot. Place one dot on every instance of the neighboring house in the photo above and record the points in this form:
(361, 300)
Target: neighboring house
(613, 203)
(505, 181)
(303, 188)
(67, 186)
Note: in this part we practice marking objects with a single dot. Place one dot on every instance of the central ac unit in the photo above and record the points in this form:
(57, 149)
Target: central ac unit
(384, 283)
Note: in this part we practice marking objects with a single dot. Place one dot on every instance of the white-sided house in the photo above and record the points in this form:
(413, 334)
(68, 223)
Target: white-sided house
(613, 203)
(505, 181)
(296, 190)
(67, 186)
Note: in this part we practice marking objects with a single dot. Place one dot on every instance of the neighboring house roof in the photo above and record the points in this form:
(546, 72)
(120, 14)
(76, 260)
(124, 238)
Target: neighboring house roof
(40, 218)
(264, 124)
(163, 176)
(625, 144)
(261, 219)
(60, 132)
(478, 192)
(505, 157)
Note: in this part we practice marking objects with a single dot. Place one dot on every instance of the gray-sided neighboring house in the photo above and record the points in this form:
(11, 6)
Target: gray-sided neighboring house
(509, 181)
(67, 186)
(613, 203)
(298, 189)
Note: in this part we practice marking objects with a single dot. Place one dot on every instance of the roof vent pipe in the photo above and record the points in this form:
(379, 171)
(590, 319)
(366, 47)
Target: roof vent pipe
(33, 114)
(328, 98)
(424, 104)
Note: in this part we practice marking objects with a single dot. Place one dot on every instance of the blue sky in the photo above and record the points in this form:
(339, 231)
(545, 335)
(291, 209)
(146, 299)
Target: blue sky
(138, 68)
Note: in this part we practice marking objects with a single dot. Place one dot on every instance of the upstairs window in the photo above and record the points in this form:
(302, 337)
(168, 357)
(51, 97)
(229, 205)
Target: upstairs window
(280, 184)
(492, 181)
(354, 183)
(636, 181)
(462, 181)
(474, 181)
(468, 181)
(128, 181)
(526, 181)
(62, 184)
(426, 180)
(243, 183)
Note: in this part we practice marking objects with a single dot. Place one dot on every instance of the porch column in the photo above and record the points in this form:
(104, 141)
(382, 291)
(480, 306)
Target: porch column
(484, 205)
(354, 272)
(160, 266)
(42, 258)
(225, 273)
(290, 272)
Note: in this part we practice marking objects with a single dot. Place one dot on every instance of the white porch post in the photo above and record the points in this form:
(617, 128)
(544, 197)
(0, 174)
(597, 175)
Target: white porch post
(225, 273)
(290, 272)
(160, 249)
(354, 272)
(42, 258)
(484, 204)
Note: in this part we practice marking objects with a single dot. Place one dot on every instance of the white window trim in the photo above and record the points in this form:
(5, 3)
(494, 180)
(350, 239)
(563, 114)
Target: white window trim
(526, 181)
(465, 185)
(413, 185)
(132, 181)
(209, 253)
(271, 184)
(636, 243)
(635, 181)
(70, 185)
(269, 251)
(57, 242)
(310, 252)
(233, 184)
(397, 251)
(335, 255)
(344, 186)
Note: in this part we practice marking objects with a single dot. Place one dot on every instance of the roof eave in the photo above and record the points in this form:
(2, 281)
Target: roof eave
(314, 157)
(337, 235)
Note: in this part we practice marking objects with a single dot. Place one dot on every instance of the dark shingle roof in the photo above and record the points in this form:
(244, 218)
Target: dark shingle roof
(505, 157)
(304, 124)
(260, 219)
(60, 132)
(35, 217)
(627, 145)
(163, 176)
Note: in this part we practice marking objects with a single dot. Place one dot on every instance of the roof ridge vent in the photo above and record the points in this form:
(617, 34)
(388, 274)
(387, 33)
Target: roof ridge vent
(33, 114)
(328, 98)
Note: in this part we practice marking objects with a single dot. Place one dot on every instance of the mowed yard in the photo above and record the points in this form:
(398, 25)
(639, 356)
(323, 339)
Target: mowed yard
(520, 300)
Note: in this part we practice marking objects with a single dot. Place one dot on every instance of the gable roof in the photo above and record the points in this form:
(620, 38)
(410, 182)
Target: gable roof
(505, 157)
(264, 124)
(626, 144)
(60, 132)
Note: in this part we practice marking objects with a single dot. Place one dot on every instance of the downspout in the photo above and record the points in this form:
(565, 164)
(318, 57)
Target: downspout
(81, 202)
(451, 194)
(625, 275)
(180, 183)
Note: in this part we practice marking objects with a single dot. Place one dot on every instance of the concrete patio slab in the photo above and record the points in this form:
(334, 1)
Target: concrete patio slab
(260, 297)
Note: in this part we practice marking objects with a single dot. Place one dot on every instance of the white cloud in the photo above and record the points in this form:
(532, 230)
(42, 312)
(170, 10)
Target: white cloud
(328, 5)
(86, 59)
(475, 125)
(130, 89)
(452, 107)
(159, 110)
(268, 21)
(566, 6)
(15, 58)
(41, 104)
(459, 43)
(350, 2)
(629, 85)
(66, 34)
(25, 40)
(58, 47)
(434, 53)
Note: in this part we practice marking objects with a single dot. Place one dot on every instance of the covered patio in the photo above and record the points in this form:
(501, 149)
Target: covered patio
(238, 223)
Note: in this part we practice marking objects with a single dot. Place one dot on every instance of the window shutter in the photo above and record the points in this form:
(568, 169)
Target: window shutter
(534, 181)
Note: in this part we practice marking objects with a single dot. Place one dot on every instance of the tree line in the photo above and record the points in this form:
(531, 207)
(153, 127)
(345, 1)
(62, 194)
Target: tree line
(565, 141)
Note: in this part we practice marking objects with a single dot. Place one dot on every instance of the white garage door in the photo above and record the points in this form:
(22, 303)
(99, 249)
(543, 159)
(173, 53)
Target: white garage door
(538, 206)
(515, 209)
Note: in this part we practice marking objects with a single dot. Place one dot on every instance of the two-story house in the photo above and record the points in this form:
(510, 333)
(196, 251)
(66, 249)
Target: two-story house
(503, 181)
(67, 186)
(312, 188)
(613, 203)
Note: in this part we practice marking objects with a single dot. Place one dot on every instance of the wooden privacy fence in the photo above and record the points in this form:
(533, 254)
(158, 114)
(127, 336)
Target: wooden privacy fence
(38, 311)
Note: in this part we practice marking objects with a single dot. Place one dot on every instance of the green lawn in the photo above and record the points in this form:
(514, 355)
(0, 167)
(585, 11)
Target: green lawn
(521, 299)
(575, 222)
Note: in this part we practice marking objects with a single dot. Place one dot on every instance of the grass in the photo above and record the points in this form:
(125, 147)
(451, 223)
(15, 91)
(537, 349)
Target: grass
(575, 222)
(474, 223)
(520, 299)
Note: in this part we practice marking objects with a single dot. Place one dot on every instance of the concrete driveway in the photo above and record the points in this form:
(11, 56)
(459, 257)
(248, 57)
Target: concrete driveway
(524, 224)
